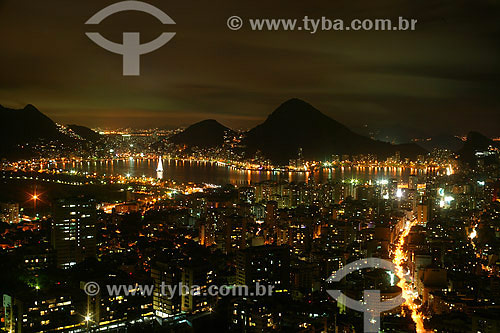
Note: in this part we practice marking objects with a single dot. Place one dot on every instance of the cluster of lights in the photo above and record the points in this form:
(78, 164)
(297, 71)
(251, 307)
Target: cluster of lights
(409, 293)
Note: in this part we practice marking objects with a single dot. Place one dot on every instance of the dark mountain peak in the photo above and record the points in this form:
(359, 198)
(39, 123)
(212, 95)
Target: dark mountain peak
(478, 141)
(28, 111)
(478, 137)
(204, 134)
(297, 124)
(475, 142)
(296, 115)
(208, 122)
(30, 107)
(442, 141)
(26, 125)
(32, 112)
(296, 108)
(208, 125)
(296, 102)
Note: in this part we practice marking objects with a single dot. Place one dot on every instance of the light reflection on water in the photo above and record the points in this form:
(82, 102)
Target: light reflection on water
(208, 172)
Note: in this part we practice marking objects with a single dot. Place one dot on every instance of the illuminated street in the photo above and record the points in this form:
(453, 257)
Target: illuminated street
(249, 167)
(409, 293)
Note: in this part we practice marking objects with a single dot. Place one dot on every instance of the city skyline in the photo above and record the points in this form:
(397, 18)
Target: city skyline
(246, 166)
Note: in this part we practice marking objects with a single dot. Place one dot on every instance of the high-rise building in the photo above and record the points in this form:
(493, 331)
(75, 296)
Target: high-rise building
(197, 277)
(38, 311)
(93, 305)
(300, 234)
(253, 315)
(412, 182)
(73, 231)
(397, 157)
(181, 286)
(9, 212)
(271, 213)
(422, 213)
(300, 158)
(207, 233)
(246, 194)
(165, 305)
(266, 265)
(233, 234)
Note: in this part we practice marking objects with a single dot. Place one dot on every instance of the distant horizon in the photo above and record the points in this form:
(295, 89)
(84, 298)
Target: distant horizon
(357, 129)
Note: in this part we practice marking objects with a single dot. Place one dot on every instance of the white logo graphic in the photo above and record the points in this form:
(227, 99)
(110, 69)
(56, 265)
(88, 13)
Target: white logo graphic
(371, 305)
(131, 49)
(91, 288)
(234, 23)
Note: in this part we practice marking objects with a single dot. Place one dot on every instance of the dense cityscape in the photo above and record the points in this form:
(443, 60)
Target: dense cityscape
(249, 166)
(110, 214)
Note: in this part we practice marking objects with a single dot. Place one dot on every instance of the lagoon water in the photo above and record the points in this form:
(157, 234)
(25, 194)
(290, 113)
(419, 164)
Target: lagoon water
(184, 171)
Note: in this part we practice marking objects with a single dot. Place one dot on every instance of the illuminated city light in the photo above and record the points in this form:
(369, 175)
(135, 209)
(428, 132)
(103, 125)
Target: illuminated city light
(409, 294)
(473, 234)
(448, 199)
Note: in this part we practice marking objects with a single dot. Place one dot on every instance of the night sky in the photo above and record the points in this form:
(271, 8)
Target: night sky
(442, 78)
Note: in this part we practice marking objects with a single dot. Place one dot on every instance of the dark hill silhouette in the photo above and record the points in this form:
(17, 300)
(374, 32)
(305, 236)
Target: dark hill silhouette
(21, 131)
(475, 142)
(443, 141)
(296, 124)
(18, 127)
(26, 124)
(85, 132)
(204, 134)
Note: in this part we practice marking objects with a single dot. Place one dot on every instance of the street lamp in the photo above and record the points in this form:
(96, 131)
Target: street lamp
(35, 197)
(88, 319)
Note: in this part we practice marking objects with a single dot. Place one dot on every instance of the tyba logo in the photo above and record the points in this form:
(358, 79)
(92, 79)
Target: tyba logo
(131, 49)
(371, 306)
